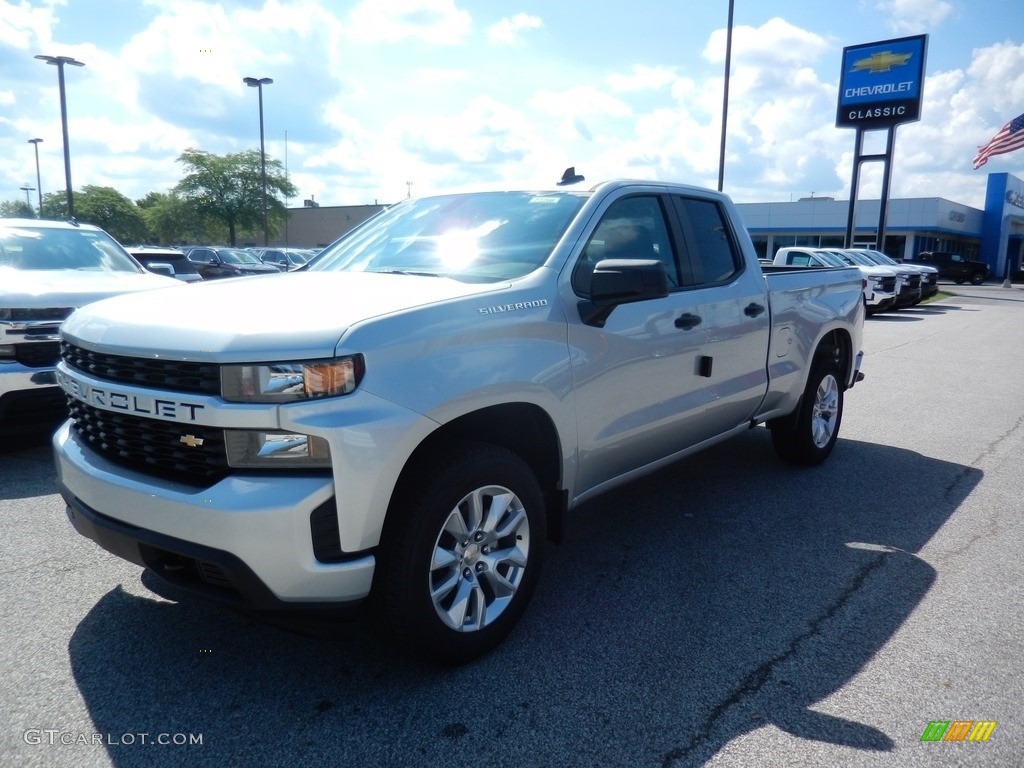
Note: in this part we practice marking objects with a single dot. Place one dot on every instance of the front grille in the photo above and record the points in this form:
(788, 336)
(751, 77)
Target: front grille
(152, 446)
(176, 375)
(24, 314)
(43, 354)
(914, 281)
(888, 284)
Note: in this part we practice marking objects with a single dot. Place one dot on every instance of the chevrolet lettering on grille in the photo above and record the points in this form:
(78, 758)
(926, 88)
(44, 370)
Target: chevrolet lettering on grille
(110, 399)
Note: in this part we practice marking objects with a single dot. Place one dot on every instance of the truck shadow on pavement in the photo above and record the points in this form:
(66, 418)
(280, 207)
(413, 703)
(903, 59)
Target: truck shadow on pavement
(27, 468)
(723, 594)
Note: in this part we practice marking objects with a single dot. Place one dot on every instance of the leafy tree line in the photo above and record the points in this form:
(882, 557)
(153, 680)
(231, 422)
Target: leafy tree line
(219, 196)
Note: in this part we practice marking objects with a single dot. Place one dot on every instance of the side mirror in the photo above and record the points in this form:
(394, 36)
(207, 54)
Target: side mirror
(622, 281)
(161, 268)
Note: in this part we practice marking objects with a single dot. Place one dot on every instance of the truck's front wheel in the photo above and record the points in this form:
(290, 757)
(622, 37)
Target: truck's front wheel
(462, 554)
(808, 439)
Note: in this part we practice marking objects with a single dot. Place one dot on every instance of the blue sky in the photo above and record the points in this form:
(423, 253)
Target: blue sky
(455, 94)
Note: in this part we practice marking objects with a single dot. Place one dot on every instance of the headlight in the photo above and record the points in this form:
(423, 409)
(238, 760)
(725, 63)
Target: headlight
(290, 382)
(250, 449)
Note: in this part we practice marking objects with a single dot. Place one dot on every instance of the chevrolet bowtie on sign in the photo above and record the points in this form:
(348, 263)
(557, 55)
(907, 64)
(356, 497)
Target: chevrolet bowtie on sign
(881, 83)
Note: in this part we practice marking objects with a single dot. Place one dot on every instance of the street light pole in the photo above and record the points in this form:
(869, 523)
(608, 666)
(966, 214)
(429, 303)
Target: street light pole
(59, 62)
(258, 83)
(26, 189)
(39, 182)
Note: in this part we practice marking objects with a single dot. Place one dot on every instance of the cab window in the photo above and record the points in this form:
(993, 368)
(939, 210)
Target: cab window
(707, 242)
(631, 228)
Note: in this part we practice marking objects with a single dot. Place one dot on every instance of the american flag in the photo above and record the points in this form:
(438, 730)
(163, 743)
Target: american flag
(1009, 138)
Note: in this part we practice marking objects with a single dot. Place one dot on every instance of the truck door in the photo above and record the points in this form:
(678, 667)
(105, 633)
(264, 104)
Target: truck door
(732, 302)
(637, 382)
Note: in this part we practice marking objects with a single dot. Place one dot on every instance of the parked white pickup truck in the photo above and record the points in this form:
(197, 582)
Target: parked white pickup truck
(881, 284)
(411, 418)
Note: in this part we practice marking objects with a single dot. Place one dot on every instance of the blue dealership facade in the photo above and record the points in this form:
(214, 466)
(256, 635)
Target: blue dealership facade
(994, 235)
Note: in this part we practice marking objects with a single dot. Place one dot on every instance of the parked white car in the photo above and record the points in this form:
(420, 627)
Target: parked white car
(47, 270)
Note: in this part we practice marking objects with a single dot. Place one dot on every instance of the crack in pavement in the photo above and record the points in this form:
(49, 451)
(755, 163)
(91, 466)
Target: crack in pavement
(755, 681)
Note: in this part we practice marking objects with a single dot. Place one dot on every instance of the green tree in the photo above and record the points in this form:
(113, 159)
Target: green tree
(110, 210)
(16, 209)
(172, 219)
(105, 207)
(228, 188)
(55, 205)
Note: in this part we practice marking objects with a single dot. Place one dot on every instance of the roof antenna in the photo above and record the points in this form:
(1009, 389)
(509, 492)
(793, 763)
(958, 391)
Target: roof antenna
(570, 177)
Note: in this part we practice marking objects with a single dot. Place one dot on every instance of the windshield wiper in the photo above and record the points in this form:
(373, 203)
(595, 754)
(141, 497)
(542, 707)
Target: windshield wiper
(404, 272)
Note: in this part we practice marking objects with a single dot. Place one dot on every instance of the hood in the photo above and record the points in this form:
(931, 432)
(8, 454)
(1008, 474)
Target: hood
(62, 288)
(878, 271)
(287, 316)
(923, 269)
(253, 268)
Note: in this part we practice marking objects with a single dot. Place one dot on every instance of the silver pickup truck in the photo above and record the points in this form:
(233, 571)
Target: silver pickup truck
(408, 420)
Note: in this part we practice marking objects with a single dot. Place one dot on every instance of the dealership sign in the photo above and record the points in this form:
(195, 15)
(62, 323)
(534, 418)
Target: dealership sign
(881, 83)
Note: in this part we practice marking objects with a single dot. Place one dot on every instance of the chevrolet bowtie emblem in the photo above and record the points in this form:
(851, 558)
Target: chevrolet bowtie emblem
(883, 61)
(191, 441)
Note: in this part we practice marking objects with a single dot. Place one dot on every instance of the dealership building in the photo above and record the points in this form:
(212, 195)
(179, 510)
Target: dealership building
(994, 235)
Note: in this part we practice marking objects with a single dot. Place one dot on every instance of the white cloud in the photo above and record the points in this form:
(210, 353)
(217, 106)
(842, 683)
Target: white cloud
(774, 42)
(437, 22)
(642, 78)
(916, 16)
(506, 31)
(23, 27)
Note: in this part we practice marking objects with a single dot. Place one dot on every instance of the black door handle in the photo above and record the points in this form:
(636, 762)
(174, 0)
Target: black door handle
(687, 321)
(753, 309)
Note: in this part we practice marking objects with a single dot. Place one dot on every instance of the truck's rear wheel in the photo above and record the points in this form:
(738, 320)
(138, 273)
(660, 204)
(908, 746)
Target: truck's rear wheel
(462, 555)
(809, 438)
(977, 278)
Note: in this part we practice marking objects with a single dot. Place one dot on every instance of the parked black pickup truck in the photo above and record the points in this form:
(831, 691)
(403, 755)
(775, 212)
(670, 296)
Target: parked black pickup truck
(953, 266)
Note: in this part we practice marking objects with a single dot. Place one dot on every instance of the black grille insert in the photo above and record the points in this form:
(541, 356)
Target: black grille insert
(43, 354)
(188, 453)
(176, 375)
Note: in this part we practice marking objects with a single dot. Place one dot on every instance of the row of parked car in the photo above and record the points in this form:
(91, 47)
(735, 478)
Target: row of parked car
(211, 262)
(888, 284)
(50, 268)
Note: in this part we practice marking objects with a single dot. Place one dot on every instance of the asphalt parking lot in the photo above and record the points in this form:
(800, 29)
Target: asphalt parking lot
(728, 611)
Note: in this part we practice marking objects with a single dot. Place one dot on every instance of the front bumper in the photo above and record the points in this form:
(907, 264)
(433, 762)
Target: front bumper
(246, 540)
(879, 302)
(29, 397)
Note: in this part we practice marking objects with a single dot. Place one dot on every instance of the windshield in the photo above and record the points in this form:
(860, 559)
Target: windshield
(27, 247)
(831, 259)
(237, 256)
(880, 258)
(480, 237)
(859, 258)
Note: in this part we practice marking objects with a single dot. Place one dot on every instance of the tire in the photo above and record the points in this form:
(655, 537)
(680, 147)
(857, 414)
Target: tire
(977, 278)
(461, 554)
(808, 438)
